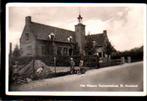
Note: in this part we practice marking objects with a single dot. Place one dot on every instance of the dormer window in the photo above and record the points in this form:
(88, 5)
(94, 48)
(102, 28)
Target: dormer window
(27, 36)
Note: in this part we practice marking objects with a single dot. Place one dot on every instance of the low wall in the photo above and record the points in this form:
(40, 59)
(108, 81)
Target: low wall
(89, 61)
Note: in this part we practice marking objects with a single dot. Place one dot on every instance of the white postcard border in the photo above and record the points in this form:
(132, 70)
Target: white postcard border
(63, 93)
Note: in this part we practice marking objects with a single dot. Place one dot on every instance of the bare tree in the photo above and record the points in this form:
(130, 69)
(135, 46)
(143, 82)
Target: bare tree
(16, 52)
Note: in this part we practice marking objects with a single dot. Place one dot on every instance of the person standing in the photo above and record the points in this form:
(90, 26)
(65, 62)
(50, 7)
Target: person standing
(72, 64)
(81, 67)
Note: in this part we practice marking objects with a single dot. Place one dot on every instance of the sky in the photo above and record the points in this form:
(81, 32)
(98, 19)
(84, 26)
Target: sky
(125, 25)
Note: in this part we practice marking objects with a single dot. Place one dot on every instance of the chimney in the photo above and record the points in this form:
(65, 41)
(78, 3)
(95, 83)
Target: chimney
(28, 19)
(105, 32)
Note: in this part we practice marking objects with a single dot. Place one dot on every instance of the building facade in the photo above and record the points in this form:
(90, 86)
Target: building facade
(44, 40)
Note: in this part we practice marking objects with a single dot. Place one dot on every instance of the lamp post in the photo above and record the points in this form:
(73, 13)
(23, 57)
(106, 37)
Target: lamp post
(69, 39)
(97, 55)
(52, 38)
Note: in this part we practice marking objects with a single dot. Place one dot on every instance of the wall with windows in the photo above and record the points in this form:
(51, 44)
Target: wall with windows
(63, 49)
(46, 48)
(27, 49)
(42, 48)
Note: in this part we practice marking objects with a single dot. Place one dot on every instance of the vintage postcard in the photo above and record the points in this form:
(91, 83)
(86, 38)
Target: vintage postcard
(76, 49)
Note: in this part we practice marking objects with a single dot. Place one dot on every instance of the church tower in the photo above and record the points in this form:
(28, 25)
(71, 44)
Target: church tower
(80, 34)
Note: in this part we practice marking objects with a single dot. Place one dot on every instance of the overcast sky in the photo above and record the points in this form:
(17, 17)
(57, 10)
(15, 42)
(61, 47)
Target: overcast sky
(124, 25)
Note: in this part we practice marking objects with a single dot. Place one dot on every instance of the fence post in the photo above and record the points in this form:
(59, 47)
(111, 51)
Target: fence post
(55, 64)
(129, 59)
(122, 60)
(33, 58)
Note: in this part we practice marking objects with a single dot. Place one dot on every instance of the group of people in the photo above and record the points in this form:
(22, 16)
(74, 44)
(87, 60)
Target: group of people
(72, 68)
(81, 64)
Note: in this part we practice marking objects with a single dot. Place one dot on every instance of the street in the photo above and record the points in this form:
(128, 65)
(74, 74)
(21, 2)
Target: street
(126, 77)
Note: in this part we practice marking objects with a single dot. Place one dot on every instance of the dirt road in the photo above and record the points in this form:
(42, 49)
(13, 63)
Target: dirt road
(126, 77)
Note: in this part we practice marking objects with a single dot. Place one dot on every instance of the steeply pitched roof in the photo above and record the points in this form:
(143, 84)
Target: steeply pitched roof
(42, 31)
(99, 38)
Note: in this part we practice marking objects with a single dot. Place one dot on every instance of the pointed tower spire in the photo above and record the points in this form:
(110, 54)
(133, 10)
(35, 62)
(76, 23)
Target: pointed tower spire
(80, 17)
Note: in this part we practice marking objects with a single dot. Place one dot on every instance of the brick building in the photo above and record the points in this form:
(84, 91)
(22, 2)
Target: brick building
(43, 40)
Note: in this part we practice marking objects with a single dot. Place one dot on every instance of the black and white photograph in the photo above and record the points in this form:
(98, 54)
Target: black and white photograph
(75, 49)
